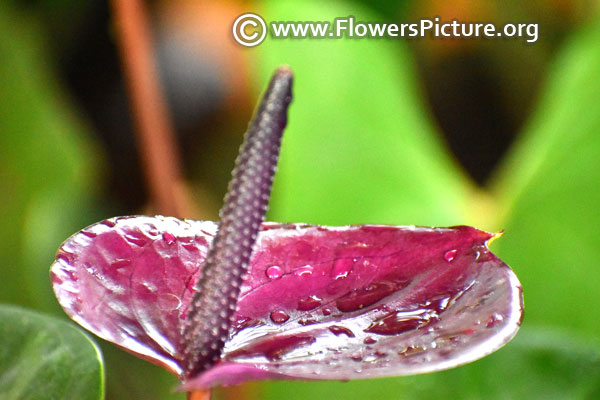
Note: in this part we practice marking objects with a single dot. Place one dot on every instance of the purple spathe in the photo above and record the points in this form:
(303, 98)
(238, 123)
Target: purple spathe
(362, 301)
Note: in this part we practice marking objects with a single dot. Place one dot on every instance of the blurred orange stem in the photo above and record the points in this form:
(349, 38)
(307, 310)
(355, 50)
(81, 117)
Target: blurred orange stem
(199, 395)
(154, 131)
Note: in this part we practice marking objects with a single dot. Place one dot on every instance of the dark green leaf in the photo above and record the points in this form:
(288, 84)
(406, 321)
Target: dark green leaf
(45, 358)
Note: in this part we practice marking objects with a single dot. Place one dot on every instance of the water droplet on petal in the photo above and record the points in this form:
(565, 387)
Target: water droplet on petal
(342, 267)
(482, 253)
(401, 321)
(89, 234)
(369, 340)
(274, 272)
(72, 275)
(168, 302)
(169, 238)
(340, 330)
(242, 322)
(447, 339)
(120, 263)
(306, 270)
(436, 304)
(279, 317)
(189, 243)
(274, 348)
(450, 255)
(65, 257)
(411, 351)
(108, 222)
(137, 238)
(307, 321)
(368, 295)
(326, 311)
(356, 357)
(150, 287)
(494, 319)
(309, 303)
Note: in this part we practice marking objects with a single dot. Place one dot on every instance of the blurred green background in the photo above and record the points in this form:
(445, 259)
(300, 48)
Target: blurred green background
(498, 134)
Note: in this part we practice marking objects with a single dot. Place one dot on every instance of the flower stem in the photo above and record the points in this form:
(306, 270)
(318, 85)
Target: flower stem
(199, 395)
(154, 130)
(215, 299)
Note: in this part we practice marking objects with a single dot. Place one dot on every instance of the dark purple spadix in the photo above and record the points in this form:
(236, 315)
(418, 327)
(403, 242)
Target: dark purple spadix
(216, 292)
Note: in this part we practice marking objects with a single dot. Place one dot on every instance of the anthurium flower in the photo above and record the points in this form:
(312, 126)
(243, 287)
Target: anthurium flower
(318, 302)
(223, 303)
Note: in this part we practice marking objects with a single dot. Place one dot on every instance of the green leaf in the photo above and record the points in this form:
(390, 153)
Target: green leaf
(550, 189)
(359, 147)
(45, 358)
(537, 364)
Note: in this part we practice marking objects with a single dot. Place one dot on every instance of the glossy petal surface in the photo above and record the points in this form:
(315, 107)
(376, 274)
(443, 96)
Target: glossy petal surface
(319, 302)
